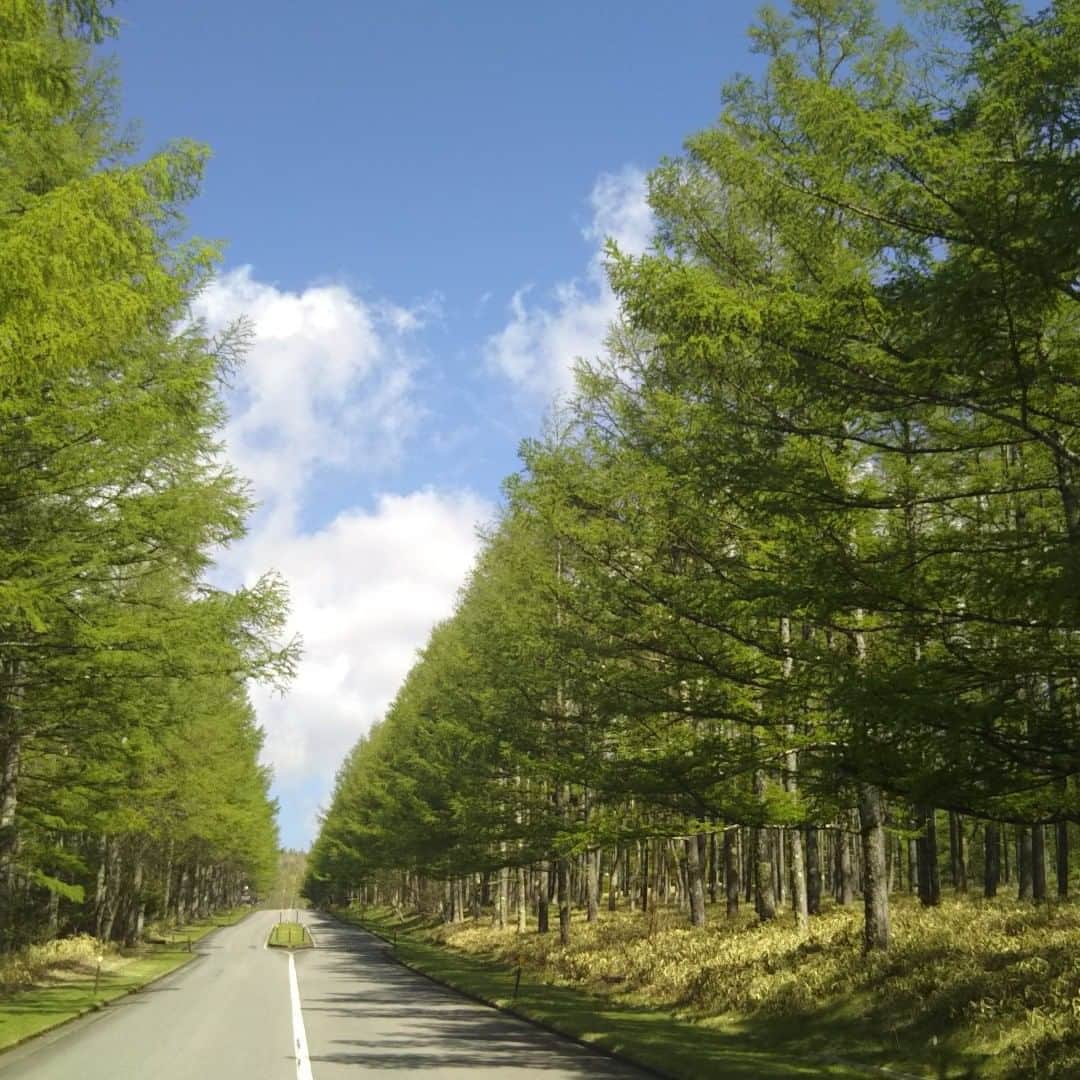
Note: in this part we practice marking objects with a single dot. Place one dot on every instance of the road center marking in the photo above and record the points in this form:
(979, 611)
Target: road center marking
(303, 1062)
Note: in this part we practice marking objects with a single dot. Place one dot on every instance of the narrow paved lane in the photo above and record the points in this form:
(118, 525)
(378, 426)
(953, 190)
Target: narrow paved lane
(229, 1016)
(365, 1013)
(225, 1015)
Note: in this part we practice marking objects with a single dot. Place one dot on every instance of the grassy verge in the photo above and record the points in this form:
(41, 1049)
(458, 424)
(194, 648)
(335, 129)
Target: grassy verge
(650, 1036)
(289, 935)
(972, 988)
(69, 992)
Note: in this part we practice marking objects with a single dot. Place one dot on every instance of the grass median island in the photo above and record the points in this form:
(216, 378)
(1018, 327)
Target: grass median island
(970, 989)
(49, 985)
(289, 935)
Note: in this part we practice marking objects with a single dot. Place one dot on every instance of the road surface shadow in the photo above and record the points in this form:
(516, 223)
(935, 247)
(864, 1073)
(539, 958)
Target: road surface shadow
(415, 1024)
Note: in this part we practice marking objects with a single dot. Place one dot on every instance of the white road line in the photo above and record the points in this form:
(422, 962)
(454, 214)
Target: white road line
(303, 1062)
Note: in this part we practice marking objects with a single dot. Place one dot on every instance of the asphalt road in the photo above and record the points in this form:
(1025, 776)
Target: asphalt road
(230, 1015)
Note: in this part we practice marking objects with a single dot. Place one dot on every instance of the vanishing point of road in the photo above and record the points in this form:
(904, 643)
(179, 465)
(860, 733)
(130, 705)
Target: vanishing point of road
(344, 1009)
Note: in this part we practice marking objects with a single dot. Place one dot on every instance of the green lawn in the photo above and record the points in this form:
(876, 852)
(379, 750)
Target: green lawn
(651, 1037)
(289, 935)
(30, 1012)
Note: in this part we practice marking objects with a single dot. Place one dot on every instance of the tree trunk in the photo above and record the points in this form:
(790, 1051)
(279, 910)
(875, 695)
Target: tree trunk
(9, 785)
(459, 900)
(731, 872)
(779, 867)
(929, 881)
(617, 869)
(644, 876)
(592, 884)
(714, 874)
(562, 874)
(1061, 833)
(991, 858)
(957, 859)
(1023, 863)
(503, 913)
(181, 897)
(138, 905)
(1038, 864)
(522, 901)
(845, 867)
(166, 881)
(542, 909)
(11, 747)
(876, 924)
(112, 890)
(813, 871)
(799, 898)
(764, 898)
(54, 906)
(695, 882)
(101, 885)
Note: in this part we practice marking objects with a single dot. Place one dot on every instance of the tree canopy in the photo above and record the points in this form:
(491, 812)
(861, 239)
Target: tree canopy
(130, 780)
(799, 559)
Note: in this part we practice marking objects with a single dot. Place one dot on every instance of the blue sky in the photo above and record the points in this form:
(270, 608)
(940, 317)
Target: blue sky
(413, 195)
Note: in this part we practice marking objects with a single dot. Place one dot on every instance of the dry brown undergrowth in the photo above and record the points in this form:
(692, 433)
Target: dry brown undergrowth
(54, 962)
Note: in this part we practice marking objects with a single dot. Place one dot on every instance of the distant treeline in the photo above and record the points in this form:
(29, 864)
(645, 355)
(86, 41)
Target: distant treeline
(786, 600)
(130, 786)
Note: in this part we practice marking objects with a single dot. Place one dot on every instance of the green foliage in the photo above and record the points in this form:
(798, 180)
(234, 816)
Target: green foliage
(129, 777)
(808, 534)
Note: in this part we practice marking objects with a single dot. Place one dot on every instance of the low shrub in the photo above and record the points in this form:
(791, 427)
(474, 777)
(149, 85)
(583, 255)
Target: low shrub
(36, 963)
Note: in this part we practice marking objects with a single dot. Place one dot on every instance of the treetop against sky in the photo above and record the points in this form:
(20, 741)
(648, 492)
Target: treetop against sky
(414, 200)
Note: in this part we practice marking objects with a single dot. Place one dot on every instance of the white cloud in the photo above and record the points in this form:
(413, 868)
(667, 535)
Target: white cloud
(366, 590)
(329, 383)
(539, 345)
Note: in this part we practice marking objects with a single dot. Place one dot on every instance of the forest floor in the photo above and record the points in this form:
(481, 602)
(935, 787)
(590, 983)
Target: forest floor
(972, 988)
(49, 985)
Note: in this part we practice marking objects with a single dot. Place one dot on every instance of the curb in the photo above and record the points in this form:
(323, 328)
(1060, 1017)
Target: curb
(100, 1006)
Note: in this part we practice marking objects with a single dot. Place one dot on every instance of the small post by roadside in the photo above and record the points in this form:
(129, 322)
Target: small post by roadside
(517, 983)
(97, 974)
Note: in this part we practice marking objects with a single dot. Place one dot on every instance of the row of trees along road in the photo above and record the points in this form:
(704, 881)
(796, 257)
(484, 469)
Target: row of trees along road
(129, 778)
(794, 578)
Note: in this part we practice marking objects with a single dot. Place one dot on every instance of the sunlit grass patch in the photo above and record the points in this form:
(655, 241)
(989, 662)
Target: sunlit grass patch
(289, 935)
